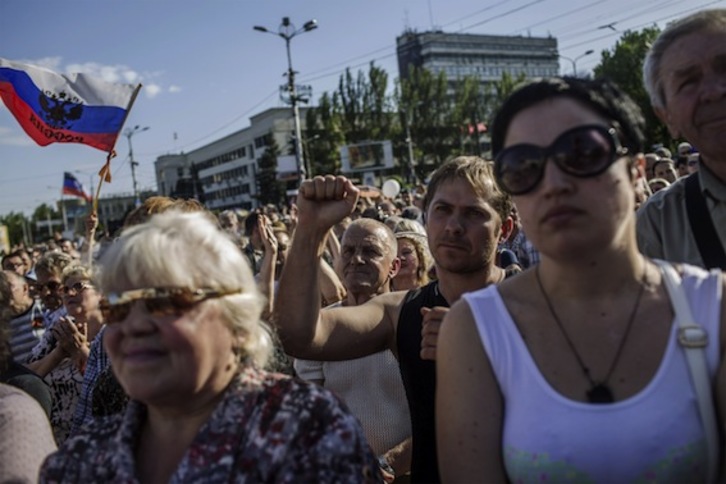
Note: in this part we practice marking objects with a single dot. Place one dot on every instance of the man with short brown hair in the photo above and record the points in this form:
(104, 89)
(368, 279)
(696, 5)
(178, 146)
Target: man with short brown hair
(466, 215)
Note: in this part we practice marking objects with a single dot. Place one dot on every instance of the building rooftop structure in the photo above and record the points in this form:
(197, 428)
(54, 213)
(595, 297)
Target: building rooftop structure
(484, 56)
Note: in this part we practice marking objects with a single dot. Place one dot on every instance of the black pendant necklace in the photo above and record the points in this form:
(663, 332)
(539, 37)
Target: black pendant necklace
(599, 391)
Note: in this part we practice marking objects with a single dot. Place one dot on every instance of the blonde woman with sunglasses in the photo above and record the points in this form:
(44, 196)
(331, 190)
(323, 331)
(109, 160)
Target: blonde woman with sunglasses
(185, 340)
(63, 351)
(572, 370)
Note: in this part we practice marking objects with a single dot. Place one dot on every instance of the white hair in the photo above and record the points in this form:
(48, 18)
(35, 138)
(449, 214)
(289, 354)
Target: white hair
(175, 249)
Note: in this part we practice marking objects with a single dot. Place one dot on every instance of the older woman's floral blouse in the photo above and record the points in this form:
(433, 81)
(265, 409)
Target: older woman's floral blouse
(65, 383)
(267, 428)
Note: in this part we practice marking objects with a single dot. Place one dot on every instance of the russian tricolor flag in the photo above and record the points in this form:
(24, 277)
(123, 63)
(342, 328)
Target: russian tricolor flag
(71, 186)
(53, 108)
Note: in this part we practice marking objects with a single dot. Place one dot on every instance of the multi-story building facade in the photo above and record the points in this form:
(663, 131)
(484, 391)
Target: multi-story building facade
(223, 173)
(484, 56)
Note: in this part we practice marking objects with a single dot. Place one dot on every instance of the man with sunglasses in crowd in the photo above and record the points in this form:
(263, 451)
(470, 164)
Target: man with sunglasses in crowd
(685, 77)
(48, 272)
(466, 215)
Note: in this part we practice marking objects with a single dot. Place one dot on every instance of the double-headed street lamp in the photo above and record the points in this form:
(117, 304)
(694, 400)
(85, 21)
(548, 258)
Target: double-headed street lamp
(129, 133)
(574, 61)
(287, 31)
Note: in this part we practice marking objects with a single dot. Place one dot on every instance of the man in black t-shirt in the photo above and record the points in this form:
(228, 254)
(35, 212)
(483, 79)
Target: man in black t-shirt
(466, 216)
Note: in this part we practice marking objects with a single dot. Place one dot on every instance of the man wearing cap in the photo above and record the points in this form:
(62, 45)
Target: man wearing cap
(684, 76)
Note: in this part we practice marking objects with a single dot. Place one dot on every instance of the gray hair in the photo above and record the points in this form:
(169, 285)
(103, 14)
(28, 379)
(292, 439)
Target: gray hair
(53, 263)
(175, 249)
(703, 21)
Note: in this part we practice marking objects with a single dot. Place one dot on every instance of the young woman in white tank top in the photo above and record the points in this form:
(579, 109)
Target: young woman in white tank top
(570, 371)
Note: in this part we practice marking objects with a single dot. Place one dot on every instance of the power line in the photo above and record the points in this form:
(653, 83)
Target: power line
(334, 69)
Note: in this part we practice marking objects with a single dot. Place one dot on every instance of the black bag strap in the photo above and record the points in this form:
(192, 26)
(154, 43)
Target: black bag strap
(702, 227)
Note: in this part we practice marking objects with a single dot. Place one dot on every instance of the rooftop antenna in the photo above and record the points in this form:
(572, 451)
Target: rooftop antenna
(431, 16)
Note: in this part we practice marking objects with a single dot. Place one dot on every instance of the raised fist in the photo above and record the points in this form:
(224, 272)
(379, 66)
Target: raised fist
(324, 201)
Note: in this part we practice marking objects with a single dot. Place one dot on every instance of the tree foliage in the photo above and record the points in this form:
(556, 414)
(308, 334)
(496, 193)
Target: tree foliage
(624, 65)
(18, 228)
(269, 188)
(324, 135)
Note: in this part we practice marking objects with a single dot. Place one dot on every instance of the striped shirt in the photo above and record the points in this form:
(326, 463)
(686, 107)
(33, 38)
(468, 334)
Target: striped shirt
(26, 331)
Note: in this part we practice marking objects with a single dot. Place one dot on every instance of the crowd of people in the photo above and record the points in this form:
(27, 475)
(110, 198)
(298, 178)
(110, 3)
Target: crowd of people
(512, 320)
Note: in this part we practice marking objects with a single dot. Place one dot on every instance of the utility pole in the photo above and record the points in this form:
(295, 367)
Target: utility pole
(287, 31)
(129, 133)
(409, 143)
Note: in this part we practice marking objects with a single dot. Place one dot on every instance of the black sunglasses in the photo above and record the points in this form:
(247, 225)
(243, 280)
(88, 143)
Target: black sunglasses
(75, 289)
(52, 286)
(584, 151)
(159, 302)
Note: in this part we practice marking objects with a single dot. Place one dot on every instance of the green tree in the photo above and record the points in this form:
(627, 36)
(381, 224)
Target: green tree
(269, 188)
(324, 135)
(18, 228)
(499, 91)
(425, 105)
(44, 213)
(364, 105)
(468, 112)
(624, 65)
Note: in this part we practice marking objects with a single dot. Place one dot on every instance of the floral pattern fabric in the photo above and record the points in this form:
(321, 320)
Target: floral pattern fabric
(65, 383)
(267, 428)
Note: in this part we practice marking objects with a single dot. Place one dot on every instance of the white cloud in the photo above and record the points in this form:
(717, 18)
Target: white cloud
(52, 63)
(111, 73)
(14, 137)
(152, 90)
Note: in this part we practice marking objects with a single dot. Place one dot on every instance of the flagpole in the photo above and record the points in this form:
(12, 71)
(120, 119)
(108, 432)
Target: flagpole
(65, 218)
(105, 175)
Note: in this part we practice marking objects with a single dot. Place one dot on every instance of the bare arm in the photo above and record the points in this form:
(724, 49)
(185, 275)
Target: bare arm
(333, 245)
(335, 334)
(266, 277)
(469, 408)
(331, 288)
(46, 364)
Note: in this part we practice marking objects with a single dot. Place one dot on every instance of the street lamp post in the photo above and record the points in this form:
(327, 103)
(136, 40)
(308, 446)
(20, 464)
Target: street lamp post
(287, 31)
(574, 61)
(129, 133)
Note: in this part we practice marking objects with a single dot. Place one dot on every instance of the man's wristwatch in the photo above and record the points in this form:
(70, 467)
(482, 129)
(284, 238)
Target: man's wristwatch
(383, 464)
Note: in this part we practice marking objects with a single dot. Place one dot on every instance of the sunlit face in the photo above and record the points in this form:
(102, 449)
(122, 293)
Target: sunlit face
(666, 171)
(694, 86)
(409, 258)
(387, 209)
(566, 214)
(80, 297)
(366, 261)
(67, 246)
(19, 298)
(49, 289)
(14, 264)
(463, 229)
(172, 361)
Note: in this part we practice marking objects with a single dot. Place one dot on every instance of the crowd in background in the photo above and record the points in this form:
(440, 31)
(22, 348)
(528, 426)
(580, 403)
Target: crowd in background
(304, 342)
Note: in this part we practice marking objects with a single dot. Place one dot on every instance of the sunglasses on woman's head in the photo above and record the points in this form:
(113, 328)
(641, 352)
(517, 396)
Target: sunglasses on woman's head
(159, 302)
(584, 151)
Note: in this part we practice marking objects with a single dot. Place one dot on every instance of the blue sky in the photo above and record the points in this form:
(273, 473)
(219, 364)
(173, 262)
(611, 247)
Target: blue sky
(205, 70)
